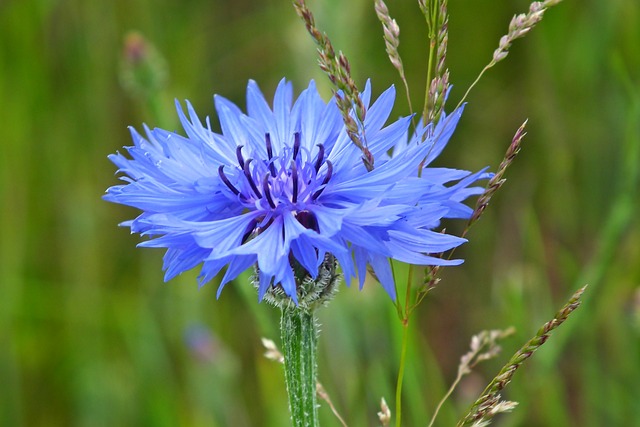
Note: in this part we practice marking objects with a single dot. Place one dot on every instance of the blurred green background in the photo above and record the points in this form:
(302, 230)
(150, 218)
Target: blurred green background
(89, 334)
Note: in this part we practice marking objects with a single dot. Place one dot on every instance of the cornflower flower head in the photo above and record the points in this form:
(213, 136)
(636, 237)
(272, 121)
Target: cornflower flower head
(283, 188)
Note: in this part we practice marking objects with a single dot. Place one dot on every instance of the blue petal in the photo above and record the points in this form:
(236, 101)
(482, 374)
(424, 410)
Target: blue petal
(229, 116)
(237, 265)
(388, 137)
(441, 134)
(203, 216)
(361, 258)
(259, 110)
(281, 112)
(426, 240)
(382, 268)
(379, 112)
(306, 255)
(179, 260)
(223, 235)
(210, 269)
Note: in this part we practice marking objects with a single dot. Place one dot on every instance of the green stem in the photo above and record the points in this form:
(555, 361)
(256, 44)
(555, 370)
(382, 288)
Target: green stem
(403, 360)
(299, 341)
(475, 82)
(432, 49)
(404, 313)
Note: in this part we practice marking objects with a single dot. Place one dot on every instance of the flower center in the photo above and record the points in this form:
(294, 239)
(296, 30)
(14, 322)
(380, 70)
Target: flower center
(288, 180)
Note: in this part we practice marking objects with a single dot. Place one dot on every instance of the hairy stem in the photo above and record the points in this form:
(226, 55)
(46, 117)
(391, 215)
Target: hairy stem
(299, 341)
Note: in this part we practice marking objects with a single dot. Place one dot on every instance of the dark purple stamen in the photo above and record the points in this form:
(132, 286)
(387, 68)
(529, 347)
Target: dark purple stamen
(267, 192)
(251, 229)
(296, 144)
(294, 175)
(267, 140)
(326, 179)
(239, 156)
(320, 158)
(226, 180)
(308, 220)
(247, 174)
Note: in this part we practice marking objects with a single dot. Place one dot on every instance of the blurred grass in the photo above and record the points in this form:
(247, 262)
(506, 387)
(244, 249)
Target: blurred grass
(89, 335)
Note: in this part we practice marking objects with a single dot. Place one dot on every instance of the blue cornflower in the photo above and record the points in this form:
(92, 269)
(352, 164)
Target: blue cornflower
(286, 184)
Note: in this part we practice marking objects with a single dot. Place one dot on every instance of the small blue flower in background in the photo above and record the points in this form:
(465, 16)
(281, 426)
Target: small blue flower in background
(202, 343)
(287, 183)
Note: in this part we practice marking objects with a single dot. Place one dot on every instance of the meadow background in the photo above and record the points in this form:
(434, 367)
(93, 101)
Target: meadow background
(90, 335)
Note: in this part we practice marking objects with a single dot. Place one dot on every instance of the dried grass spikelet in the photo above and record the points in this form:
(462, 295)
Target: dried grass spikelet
(385, 413)
(391, 32)
(519, 26)
(338, 70)
(498, 179)
(483, 346)
(439, 84)
(488, 404)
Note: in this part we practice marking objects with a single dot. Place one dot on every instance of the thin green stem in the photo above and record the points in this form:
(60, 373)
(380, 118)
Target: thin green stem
(432, 50)
(445, 397)
(404, 315)
(401, 368)
(407, 302)
(430, 14)
(396, 303)
(299, 341)
(475, 82)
